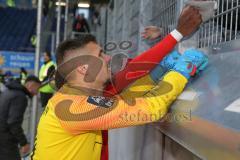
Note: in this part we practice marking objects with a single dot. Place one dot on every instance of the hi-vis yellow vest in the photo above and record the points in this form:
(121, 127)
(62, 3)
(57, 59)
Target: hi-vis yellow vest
(42, 74)
(23, 78)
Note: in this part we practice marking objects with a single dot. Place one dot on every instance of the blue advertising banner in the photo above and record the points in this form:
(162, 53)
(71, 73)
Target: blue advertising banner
(16, 60)
(13, 61)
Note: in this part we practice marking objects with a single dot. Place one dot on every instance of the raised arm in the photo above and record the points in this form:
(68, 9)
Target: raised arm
(189, 20)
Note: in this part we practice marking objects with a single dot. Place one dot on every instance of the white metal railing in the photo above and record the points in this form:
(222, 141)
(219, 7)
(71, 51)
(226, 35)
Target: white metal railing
(167, 14)
(224, 27)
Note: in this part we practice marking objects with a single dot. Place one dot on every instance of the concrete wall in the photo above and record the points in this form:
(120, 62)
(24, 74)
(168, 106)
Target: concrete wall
(125, 22)
(129, 17)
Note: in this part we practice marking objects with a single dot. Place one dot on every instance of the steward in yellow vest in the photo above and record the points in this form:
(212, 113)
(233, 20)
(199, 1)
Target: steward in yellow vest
(23, 75)
(46, 70)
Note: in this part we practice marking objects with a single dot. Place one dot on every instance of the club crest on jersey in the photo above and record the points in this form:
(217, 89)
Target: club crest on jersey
(100, 101)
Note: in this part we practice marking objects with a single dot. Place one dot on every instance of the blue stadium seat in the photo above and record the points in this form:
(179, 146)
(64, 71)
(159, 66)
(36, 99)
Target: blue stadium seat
(16, 28)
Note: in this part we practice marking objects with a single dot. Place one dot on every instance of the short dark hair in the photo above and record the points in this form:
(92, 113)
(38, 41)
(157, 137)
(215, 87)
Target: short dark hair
(33, 78)
(48, 54)
(23, 70)
(68, 45)
(72, 44)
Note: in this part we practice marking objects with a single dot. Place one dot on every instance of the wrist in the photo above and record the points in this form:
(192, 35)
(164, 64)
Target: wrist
(177, 35)
(157, 73)
(184, 74)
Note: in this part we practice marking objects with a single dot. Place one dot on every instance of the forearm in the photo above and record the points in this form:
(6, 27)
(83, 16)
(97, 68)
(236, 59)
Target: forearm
(15, 118)
(124, 112)
(138, 88)
(160, 50)
(17, 131)
(150, 107)
(146, 61)
(166, 92)
(154, 104)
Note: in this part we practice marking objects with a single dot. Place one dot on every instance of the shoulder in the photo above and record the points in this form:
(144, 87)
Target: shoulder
(100, 101)
(14, 96)
(83, 100)
(21, 96)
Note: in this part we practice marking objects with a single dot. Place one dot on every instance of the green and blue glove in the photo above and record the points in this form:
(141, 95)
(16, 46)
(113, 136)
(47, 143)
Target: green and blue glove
(191, 62)
(170, 60)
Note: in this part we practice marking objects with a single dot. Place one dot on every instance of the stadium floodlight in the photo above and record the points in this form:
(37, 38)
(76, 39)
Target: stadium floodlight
(83, 5)
(60, 3)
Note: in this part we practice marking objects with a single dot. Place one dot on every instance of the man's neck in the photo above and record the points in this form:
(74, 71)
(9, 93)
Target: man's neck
(90, 89)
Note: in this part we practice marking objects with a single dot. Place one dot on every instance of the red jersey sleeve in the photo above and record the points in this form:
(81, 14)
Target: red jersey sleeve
(141, 65)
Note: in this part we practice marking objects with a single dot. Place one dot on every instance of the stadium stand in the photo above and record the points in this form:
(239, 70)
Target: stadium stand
(16, 28)
(53, 30)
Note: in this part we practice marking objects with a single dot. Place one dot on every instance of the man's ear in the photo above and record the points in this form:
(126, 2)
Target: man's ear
(82, 69)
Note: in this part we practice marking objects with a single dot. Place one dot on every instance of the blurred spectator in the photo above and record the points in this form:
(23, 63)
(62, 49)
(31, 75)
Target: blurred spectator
(23, 75)
(46, 71)
(34, 40)
(11, 3)
(94, 15)
(2, 87)
(8, 76)
(80, 24)
(1, 76)
(45, 7)
(13, 102)
(74, 10)
(96, 18)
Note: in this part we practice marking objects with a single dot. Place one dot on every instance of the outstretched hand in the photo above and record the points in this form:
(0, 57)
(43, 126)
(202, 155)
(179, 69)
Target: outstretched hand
(151, 32)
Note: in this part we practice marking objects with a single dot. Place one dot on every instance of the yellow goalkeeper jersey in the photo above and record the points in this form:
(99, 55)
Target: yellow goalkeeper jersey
(70, 127)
